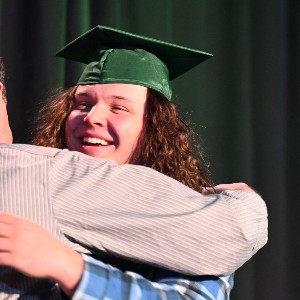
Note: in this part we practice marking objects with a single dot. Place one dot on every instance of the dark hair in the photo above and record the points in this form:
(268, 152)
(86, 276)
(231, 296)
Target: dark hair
(2, 71)
(2, 78)
(166, 144)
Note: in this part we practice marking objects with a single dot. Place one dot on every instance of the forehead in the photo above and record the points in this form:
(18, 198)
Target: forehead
(130, 91)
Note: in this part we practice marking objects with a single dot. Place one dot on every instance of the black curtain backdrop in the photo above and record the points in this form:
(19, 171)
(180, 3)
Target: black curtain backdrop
(244, 102)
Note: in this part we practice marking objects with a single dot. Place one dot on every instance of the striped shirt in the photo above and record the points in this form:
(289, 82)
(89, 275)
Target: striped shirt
(95, 207)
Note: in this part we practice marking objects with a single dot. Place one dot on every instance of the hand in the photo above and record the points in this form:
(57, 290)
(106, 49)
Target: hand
(32, 250)
(229, 186)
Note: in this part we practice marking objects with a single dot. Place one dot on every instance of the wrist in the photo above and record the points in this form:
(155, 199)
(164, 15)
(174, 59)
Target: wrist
(70, 272)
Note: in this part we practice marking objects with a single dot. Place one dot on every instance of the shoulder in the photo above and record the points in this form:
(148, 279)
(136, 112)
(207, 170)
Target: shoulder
(55, 156)
(29, 150)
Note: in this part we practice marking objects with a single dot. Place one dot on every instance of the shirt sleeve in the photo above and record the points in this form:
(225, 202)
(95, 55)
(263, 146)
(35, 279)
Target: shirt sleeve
(139, 214)
(102, 281)
(134, 212)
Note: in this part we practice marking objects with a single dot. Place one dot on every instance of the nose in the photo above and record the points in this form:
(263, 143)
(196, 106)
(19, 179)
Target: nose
(96, 116)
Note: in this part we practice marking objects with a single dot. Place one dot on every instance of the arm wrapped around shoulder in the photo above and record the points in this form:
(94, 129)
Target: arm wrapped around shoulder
(144, 216)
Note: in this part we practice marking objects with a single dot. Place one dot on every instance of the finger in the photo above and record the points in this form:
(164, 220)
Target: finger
(6, 259)
(226, 186)
(234, 186)
(208, 191)
(5, 230)
(5, 245)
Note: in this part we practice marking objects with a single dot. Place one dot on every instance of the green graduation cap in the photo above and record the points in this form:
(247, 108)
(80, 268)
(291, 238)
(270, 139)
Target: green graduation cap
(115, 56)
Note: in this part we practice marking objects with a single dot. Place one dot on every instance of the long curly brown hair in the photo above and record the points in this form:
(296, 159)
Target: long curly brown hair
(49, 125)
(166, 144)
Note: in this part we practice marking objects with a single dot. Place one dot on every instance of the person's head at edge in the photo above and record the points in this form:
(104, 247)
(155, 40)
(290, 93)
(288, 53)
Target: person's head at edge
(129, 123)
(5, 131)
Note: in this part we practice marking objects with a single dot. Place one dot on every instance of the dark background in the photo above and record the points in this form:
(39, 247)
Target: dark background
(244, 102)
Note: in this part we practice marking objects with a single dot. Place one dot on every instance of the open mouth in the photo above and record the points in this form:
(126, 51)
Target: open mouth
(88, 141)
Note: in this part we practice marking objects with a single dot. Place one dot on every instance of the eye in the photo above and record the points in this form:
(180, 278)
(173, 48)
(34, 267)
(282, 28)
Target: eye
(82, 105)
(119, 108)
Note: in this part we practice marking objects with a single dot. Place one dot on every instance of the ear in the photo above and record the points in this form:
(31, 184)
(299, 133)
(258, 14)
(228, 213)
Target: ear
(1, 87)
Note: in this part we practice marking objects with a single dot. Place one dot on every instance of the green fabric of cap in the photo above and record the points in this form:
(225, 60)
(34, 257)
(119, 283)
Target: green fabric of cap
(115, 56)
(135, 66)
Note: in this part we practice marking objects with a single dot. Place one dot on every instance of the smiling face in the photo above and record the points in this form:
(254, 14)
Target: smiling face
(106, 120)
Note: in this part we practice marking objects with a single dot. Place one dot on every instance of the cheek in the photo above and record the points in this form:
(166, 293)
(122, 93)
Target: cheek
(68, 126)
(133, 132)
(139, 125)
(129, 128)
(72, 123)
(73, 119)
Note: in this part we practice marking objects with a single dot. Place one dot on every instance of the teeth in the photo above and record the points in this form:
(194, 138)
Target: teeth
(95, 141)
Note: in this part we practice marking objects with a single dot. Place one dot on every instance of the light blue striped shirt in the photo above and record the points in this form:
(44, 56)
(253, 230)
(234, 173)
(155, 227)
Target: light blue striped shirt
(102, 281)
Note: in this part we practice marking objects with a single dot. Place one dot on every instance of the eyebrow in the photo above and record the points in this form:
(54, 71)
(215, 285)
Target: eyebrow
(117, 97)
(83, 93)
(121, 98)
